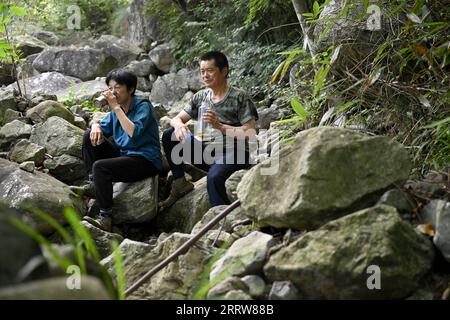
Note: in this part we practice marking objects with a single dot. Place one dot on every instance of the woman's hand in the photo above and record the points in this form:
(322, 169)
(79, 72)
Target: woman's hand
(211, 117)
(96, 135)
(111, 98)
(181, 132)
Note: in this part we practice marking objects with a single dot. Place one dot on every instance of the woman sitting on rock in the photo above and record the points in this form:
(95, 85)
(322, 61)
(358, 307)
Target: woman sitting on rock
(134, 152)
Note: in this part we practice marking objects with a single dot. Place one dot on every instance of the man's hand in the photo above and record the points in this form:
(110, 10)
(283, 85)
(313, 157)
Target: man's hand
(181, 132)
(96, 135)
(211, 117)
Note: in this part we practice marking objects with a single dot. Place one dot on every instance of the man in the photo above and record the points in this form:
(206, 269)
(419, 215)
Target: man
(233, 117)
(134, 153)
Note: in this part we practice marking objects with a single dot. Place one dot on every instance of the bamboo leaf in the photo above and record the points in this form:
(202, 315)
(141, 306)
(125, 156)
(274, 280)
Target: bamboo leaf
(298, 107)
(18, 10)
(82, 233)
(120, 270)
(335, 54)
(413, 17)
(316, 9)
(64, 263)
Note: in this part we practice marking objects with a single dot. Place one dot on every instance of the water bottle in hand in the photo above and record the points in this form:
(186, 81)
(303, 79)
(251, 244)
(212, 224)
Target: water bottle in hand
(204, 129)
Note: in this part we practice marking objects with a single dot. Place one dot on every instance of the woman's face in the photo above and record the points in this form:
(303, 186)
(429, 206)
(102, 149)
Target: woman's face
(120, 91)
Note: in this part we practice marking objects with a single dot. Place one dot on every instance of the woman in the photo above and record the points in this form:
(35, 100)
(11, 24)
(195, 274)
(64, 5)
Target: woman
(134, 151)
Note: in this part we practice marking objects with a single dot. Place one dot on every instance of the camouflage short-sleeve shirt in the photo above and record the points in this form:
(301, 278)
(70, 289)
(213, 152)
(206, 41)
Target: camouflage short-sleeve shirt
(235, 109)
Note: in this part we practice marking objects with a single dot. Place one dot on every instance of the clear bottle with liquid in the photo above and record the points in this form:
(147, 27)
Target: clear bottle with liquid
(204, 129)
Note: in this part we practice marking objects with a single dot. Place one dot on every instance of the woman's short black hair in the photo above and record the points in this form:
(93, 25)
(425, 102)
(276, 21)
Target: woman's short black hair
(122, 76)
(219, 58)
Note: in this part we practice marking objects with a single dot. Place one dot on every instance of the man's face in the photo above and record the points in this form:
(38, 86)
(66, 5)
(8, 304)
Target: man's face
(211, 75)
(120, 91)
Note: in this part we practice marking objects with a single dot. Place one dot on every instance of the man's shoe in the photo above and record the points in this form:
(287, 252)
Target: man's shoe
(180, 187)
(87, 190)
(102, 222)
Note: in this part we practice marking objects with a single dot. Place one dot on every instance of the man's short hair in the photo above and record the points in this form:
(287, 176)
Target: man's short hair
(122, 76)
(219, 58)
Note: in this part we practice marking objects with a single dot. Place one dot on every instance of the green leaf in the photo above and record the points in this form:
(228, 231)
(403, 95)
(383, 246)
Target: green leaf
(277, 72)
(18, 10)
(82, 233)
(55, 224)
(335, 54)
(64, 263)
(319, 78)
(120, 270)
(437, 123)
(316, 9)
(298, 107)
(375, 75)
(413, 17)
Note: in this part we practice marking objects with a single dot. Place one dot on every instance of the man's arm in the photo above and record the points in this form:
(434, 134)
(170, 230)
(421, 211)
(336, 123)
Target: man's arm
(247, 130)
(179, 124)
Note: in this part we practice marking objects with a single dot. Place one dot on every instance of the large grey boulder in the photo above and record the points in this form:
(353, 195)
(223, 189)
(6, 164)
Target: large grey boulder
(26, 191)
(28, 45)
(122, 50)
(357, 31)
(283, 290)
(47, 109)
(168, 89)
(11, 115)
(66, 168)
(193, 79)
(7, 101)
(162, 57)
(256, 285)
(25, 68)
(226, 225)
(177, 281)
(13, 131)
(59, 137)
(45, 83)
(398, 199)
(25, 150)
(232, 183)
(326, 173)
(230, 284)
(48, 37)
(437, 213)
(175, 108)
(172, 87)
(145, 84)
(246, 255)
(338, 260)
(82, 63)
(82, 91)
(103, 240)
(187, 211)
(142, 68)
(91, 288)
(28, 166)
(6, 76)
(137, 202)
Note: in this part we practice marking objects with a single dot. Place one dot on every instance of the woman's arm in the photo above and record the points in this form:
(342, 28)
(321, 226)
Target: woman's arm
(127, 125)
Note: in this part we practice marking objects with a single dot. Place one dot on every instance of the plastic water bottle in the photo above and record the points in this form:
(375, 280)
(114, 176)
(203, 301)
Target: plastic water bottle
(204, 129)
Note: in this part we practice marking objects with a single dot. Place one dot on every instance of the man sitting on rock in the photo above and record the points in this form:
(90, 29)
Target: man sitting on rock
(132, 155)
(232, 116)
